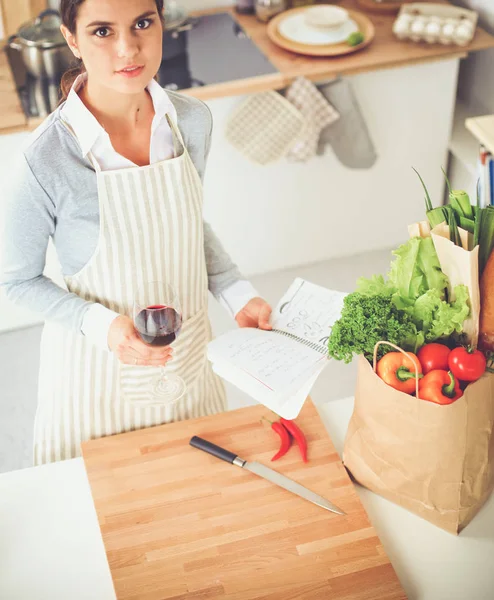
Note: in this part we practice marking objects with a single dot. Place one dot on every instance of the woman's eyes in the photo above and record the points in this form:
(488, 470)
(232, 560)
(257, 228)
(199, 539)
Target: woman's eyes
(103, 32)
(144, 23)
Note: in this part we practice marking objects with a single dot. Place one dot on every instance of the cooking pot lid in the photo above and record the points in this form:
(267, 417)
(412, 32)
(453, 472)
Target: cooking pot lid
(44, 31)
(174, 14)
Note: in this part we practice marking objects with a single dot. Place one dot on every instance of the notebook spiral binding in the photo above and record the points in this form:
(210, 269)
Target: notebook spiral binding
(314, 345)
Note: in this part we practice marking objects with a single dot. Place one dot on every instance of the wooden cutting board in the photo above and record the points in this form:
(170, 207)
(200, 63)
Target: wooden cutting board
(180, 524)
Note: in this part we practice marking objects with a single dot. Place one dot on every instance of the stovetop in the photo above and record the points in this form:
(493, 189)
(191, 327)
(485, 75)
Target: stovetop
(213, 49)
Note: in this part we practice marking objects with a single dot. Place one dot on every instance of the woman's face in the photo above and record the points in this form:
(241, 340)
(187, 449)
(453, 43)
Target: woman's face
(113, 35)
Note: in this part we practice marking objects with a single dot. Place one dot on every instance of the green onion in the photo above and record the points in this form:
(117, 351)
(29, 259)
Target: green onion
(459, 200)
(437, 215)
(467, 224)
(478, 213)
(454, 234)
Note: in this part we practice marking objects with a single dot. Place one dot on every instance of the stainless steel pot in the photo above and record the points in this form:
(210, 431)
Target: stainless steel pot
(43, 47)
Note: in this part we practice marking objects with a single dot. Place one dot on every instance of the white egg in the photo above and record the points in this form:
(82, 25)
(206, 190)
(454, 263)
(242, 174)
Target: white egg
(405, 18)
(467, 26)
(418, 27)
(433, 29)
(462, 35)
(448, 31)
(400, 28)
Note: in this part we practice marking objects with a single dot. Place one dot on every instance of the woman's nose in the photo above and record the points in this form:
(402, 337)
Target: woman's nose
(127, 46)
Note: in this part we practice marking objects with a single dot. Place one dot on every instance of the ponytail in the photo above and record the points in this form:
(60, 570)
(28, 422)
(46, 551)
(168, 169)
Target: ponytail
(69, 78)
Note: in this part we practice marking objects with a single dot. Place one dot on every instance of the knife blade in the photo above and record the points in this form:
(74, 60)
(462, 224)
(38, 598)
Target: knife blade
(265, 473)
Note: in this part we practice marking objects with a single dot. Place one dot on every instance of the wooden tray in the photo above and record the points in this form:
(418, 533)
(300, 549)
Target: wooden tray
(179, 524)
(383, 8)
(364, 23)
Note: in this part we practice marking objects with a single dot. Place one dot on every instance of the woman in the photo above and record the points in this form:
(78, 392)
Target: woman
(114, 177)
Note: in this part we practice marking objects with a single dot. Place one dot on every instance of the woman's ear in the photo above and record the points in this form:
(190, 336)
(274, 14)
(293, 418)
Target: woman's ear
(71, 41)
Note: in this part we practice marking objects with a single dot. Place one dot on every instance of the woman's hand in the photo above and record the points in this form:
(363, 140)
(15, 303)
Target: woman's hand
(255, 313)
(128, 347)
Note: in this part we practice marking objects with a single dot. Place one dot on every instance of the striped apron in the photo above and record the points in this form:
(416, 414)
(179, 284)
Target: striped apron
(151, 228)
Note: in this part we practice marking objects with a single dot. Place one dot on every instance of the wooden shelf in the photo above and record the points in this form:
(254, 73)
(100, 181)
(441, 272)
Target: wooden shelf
(483, 130)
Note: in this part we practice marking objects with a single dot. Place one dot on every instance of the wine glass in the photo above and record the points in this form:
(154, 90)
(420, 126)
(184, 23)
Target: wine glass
(158, 320)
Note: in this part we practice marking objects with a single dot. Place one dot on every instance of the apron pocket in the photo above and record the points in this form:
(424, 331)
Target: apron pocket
(189, 361)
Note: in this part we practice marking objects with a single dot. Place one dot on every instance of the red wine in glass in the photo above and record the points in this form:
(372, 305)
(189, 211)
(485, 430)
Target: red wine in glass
(157, 316)
(158, 324)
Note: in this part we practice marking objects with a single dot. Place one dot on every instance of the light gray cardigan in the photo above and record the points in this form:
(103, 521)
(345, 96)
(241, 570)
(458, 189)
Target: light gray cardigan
(55, 195)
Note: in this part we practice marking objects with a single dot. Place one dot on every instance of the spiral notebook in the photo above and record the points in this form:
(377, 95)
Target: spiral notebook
(279, 367)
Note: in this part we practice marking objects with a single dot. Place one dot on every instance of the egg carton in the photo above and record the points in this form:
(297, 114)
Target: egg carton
(435, 23)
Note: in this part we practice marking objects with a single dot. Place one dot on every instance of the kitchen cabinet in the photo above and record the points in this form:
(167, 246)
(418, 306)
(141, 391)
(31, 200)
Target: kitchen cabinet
(16, 12)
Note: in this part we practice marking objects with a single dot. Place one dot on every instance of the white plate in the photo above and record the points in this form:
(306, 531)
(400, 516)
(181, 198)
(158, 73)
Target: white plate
(295, 29)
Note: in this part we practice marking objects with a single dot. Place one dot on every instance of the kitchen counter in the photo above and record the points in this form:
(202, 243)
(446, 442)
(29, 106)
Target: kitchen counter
(51, 548)
(384, 52)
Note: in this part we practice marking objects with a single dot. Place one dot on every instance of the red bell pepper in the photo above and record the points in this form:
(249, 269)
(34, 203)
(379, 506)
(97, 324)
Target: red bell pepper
(440, 387)
(400, 371)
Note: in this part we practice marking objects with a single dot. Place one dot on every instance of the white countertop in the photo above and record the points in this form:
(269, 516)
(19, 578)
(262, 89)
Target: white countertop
(50, 543)
(51, 547)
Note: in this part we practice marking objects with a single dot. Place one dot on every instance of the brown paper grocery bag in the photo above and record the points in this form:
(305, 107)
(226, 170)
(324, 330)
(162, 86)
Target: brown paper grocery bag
(436, 461)
(461, 266)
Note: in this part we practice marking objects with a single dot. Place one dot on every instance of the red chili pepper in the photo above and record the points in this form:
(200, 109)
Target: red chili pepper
(299, 436)
(285, 438)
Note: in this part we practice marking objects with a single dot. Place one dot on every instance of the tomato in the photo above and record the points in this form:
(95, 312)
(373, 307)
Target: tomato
(466, 364)
(433, 357)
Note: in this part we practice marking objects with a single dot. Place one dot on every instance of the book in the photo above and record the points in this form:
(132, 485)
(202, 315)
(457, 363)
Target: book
(279, 367)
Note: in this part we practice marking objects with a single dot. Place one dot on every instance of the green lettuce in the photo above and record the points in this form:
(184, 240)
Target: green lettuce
(417, 285)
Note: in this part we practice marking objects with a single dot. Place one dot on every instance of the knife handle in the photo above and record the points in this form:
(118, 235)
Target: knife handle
(215, 450)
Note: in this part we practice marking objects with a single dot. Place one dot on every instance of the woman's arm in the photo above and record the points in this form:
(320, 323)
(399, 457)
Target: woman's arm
(29, 222)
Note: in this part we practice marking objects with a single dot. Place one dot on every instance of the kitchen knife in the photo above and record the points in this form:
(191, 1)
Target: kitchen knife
(265, 472)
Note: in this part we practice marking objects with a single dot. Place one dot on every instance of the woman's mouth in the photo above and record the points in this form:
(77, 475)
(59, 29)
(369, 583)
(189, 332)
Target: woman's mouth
(131, 71)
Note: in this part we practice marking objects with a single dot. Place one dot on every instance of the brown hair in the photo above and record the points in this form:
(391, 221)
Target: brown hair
(68, 12)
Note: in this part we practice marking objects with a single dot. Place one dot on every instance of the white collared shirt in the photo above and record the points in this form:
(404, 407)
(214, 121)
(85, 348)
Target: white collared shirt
(93, 138)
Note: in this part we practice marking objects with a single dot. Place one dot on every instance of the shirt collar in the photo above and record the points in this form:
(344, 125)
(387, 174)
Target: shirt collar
(86, 127)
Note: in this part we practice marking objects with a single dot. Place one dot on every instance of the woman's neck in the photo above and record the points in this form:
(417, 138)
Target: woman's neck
(114, 111)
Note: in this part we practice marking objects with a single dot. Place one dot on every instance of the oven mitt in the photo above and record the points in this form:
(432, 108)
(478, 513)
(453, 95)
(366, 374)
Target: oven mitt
(264, 126)
(318, 113)
(349, 136)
